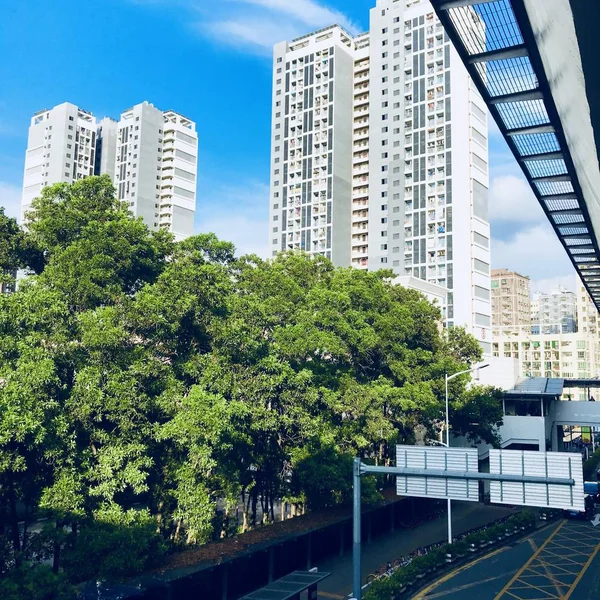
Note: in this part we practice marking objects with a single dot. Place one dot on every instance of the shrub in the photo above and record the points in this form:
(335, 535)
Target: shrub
(35, 583)
(113, 547)
(590, 466)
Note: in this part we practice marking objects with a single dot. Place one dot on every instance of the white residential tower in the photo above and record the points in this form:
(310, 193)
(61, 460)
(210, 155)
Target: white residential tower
(380, 156)
(150, 155)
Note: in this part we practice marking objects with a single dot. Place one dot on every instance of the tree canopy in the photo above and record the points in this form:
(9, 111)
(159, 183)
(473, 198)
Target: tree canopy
(146, 384)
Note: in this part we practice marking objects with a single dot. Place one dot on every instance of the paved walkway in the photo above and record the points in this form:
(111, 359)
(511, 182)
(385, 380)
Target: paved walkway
(465, 516)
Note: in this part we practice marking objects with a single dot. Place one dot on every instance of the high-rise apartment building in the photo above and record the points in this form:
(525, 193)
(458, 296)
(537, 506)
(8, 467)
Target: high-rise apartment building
(156, 158)
(511, 302)
(380, 159)
(554, 312)
(61, 148)
(150, 155)
(554, 351)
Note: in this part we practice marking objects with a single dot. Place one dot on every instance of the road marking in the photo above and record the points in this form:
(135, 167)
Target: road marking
(524, 567)
(422, 595)
(461, 588)
(585, 568)
(532, 544)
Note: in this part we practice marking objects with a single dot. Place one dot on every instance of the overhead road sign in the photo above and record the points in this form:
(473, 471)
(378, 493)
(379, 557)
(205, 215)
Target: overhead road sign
(562, 465)
(427, 458)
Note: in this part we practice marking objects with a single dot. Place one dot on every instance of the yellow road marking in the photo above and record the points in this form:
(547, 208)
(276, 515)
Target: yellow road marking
(532, 544)
(524, 567)
(423, 593)
(585, 568)
(466, 586)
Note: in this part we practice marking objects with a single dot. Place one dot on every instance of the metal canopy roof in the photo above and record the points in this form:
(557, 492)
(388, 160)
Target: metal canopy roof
(537, 386)
(497, 44)
(287, 587)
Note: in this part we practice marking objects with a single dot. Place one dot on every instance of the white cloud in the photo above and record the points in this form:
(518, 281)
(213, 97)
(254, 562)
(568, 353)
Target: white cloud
(309, 12)
(254, 25)
(534, 251)
(511, 199)
(10, 199)
(260, 34)
(240, 215)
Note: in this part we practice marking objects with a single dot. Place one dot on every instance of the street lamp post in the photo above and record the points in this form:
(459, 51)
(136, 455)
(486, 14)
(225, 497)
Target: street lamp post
(447, 444)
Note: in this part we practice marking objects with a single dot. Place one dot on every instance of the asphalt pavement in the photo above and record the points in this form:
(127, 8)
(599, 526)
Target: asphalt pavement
(465, 516)
(559, 562)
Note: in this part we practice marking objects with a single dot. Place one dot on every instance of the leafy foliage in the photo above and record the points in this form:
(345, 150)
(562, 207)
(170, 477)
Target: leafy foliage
(146, 384)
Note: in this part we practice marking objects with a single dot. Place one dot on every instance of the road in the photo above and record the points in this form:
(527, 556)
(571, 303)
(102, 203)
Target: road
(560, 561)
(465, 516)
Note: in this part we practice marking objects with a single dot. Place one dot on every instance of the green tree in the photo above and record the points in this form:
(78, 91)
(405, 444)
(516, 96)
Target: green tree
(144, 383)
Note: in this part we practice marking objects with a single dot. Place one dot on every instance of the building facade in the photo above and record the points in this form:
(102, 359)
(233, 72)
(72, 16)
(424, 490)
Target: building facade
(511, 302)
(554, 312)
(557, 353)
(380, 158)
(61, 147)
(150, 155)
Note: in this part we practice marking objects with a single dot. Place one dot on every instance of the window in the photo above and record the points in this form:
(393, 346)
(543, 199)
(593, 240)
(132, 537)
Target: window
(384, 260)
(384, 207)
(384, 30)
(384, 220)
(70, 118)
(481, 240)
(480, 200)
(384, 246)
(481, 266)
(482, 293)
(482, 320)
(279, 60)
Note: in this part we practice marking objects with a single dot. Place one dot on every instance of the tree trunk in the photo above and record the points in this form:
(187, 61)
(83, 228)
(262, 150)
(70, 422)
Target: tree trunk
(178, 531)
(272, 510)
(14, 522)
(56, 553)
(254, 503)
(225, 523)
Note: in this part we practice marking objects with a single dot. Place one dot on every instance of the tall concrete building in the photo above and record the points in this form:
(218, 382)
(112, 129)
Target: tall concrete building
(511, 302)
(554, 351)
(150, 155)
(554, 312)
(61, 148)
(380, 156)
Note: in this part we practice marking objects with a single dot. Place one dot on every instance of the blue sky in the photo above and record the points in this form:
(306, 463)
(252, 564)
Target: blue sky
(210, 60)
